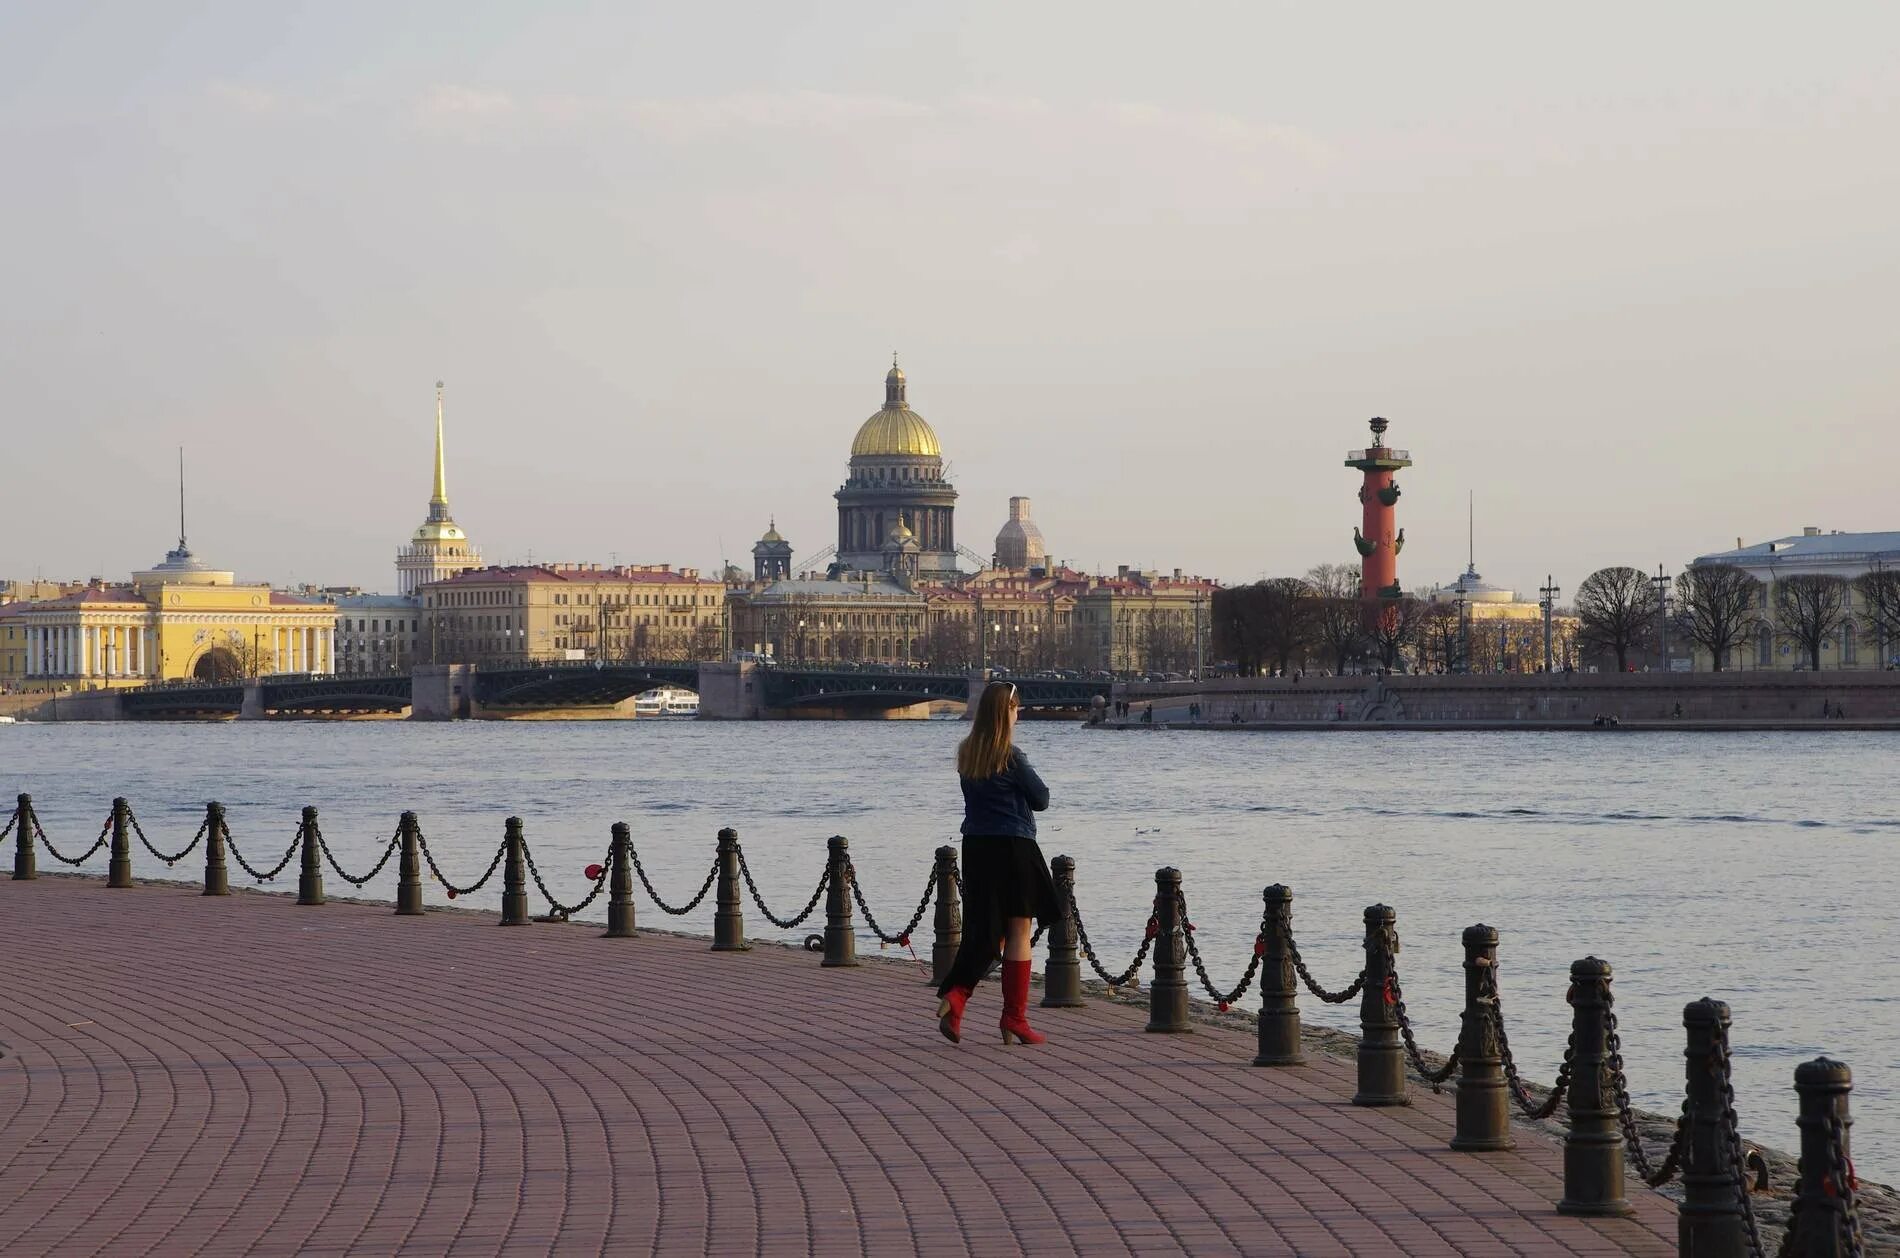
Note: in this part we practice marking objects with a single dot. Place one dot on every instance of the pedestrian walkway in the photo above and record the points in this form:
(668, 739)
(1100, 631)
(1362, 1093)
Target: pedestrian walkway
(199, 1075)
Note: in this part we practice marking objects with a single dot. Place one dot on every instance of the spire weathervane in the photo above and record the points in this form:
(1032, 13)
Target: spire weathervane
(183, 549)
(440, 498)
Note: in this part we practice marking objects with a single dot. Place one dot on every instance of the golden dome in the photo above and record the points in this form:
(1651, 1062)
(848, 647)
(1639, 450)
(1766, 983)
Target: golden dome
(440, 531)
(896, 431)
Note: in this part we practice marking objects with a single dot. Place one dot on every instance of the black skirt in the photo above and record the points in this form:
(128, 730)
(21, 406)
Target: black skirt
(1004, 878)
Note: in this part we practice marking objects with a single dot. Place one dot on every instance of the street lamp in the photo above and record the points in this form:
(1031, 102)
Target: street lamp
(1548, 602)
(1662, 583)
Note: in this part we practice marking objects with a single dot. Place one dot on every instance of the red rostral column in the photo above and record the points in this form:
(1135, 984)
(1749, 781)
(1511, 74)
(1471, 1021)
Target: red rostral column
(1377, 540)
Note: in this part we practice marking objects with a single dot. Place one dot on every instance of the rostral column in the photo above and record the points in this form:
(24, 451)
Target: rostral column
(1377, 539)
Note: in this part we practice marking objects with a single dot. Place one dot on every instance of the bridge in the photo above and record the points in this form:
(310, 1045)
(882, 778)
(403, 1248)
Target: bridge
(554, 686)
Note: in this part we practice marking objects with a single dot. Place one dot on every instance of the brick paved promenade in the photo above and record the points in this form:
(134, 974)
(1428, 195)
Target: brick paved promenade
(191, 1075)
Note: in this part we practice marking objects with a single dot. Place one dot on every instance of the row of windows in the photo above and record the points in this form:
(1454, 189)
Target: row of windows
(638, 600)
(382, 625)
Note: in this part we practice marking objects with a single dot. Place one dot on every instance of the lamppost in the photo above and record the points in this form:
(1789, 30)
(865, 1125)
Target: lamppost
(1662, 583)
(1548, 602)
(801, 641)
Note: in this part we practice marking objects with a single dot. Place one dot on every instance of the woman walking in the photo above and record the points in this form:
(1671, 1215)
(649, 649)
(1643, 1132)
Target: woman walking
(1006, 882)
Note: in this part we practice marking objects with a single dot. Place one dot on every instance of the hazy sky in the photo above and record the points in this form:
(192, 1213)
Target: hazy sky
(1629, 272)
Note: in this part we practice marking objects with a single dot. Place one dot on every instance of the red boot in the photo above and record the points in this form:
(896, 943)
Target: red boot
(1016, 1004)
(950, 1013)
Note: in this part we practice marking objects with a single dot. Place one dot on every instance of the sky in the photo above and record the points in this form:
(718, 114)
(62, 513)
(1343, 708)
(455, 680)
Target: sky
(1626, 275)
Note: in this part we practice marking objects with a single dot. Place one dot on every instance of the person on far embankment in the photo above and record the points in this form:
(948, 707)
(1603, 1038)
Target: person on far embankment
(1006, 881)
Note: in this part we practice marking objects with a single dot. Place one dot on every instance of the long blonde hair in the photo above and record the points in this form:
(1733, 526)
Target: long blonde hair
(985, 751)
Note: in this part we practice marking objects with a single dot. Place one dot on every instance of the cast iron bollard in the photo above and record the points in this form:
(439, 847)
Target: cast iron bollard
(841, 942)
(728, 916)
(1279, 986)
(1381, 1052)
(620, 923)
(1593, 1147)
(947, 919)
(1709, 1220)
(310, 872)
(25, 824)
(1821, 1226)
(119, 873)
(1484, 1107)
(409, 868)
(514, 877)
(217, 878)
(1168, 994)
(1062, 972)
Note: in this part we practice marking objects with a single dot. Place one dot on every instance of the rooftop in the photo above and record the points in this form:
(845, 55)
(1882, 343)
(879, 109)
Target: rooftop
(1814, 545)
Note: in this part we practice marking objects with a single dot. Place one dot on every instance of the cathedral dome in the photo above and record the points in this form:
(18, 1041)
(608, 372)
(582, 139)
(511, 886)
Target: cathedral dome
(440, 531)
(896, 430)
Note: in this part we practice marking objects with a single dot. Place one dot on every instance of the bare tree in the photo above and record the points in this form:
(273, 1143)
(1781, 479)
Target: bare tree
(1397, 624)
(1614, 609)
(1338, 617)
(1717, 608)
(1810, 608)
(1441, 634)
(1266, 624)
(1880, 598)
(1236, 615)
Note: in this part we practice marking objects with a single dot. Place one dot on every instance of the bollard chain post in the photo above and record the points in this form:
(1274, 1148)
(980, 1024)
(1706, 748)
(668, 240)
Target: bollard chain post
(728, 913)
(1593, 1147)
(409, 867)
(514, 876)
(947, 922)
(310, 871)
(1483, 1106)
(25, 826)
(841, 941)
(1062, 972)
(119, 873)
(1279, 985)
(1168, 993)
(217, 877)
(1709, 1220)
(1381, 1050)
(1826, 1218)
(620, 914)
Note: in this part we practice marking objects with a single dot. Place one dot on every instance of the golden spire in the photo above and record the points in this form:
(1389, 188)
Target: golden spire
(440, 498)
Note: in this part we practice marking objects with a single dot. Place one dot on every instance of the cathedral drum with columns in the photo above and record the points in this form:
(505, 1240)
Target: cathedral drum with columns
(896, 477)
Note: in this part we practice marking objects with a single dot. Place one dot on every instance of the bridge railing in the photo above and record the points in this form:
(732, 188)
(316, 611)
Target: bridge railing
(1721, 1176)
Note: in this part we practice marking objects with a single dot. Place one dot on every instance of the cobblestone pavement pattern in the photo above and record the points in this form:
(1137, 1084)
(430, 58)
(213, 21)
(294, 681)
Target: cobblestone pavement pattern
(208, 1076)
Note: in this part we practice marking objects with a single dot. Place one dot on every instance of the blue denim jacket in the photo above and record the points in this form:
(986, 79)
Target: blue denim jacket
(1005, 805)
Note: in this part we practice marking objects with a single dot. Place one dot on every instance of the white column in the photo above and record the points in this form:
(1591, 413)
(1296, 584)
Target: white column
(329, 650)
(32, 651)
(65, 650)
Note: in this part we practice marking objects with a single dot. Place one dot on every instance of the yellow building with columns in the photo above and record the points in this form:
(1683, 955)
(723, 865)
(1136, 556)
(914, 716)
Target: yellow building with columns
(177, 621)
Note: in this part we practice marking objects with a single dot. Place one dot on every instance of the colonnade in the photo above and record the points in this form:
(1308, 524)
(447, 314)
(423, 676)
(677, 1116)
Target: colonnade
(109, 651)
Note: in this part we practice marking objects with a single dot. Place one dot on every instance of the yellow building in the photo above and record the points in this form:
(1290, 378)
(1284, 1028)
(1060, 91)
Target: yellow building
(1486, 628)
(576, 611)
(178, 620)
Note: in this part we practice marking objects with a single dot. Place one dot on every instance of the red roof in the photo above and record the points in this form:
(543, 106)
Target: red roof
(578, 574)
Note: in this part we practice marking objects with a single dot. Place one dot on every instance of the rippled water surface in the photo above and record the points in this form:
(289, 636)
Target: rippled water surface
(1756, 868)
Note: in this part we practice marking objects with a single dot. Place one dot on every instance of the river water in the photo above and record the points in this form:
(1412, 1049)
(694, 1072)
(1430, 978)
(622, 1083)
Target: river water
(1753, 867)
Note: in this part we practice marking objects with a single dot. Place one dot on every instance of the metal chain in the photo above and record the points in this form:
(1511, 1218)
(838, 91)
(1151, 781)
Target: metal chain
(1845, 1183)
(783, 923)
(8, 828)
(232, 847)
(1720, 1063)
(682, 910)
(73, 860)
(1088, 949)
(1223, 999)
(169, 860)
(324, 847)
(568, 910)
(902, 936)
(1625, 1115)
(450, 887)
(1299, 964)
(1520, 1093)
(1395, 995)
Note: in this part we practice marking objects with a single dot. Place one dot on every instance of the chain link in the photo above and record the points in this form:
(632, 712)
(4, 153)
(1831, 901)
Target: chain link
(568, 910)
(389, 851)
(169, 860)
(1520, 1093)
(1299, 965)
(8, 828)
(902, 936)
(450, 887)
(682, 910)
(85, 856)
(1396, 995)
(1723, 1067)
(246, 866)
(1223, 999)
(1088, 949)
(783, 923)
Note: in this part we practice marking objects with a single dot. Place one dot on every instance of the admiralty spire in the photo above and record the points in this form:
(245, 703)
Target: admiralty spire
(438, 549)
